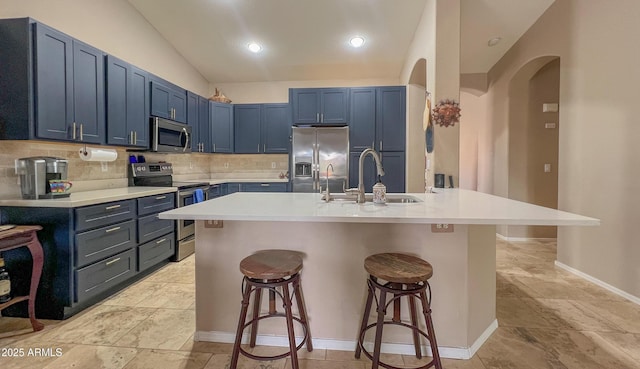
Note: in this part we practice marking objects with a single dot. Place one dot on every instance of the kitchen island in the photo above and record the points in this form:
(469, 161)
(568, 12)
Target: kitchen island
(453, 229)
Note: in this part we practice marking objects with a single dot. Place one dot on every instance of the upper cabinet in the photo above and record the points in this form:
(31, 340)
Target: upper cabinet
(198, 119)
(262, 128)
(127, 102)
(320, 105)
(221, 116)
(168, 100)
(378, 118)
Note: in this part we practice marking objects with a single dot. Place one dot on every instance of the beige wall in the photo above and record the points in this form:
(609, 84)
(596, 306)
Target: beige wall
(115, 27)
(597, 174)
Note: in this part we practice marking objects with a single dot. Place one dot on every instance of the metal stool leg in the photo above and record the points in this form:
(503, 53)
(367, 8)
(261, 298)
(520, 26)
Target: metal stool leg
(426, 309)
(414, 322)
(292, 335)
(241, 320)
(365, 320)
(256, 311)
(302, 310)
(379, 325)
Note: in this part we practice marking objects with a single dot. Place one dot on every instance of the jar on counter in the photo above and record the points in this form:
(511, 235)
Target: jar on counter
(379, 193)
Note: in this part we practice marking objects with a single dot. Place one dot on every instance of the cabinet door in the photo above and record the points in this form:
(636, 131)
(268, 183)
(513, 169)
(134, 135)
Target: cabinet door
(306, 105)
(178, 101)
(391, 119)
(53, 84)
(221, 127)
(368, 172)
(334, 105)
(247, 128)
(118, 80)
(393, 164)
(276, 128)
(88, 92)
(193, 120)
(204, 124)
(160, 100)
(138, 108)
(362, 121)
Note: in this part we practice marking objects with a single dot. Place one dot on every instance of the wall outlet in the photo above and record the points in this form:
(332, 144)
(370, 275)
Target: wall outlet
(213, 223)
(226, 165)
(273, 165)
(550, 108)
(441, 228)
(547, 168)
(549, 125)
(104, 165)
(190, 165)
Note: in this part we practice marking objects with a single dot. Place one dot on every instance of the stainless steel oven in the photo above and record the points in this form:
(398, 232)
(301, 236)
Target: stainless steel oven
(160, 175)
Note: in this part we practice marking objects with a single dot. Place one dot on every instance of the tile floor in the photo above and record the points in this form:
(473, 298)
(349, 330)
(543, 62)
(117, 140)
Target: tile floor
(548, 319)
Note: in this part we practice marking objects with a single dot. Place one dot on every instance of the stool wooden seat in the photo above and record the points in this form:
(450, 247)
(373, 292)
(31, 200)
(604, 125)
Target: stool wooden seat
(276, 271)
(398, 275)
(25, 236)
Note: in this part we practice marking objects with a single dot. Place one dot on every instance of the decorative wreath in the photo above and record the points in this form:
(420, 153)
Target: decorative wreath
(446, 113)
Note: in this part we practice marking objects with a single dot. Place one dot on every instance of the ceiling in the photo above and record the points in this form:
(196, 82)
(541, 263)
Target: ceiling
(308, 39)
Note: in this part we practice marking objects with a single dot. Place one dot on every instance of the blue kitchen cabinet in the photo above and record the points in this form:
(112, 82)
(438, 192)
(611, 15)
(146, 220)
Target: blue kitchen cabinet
(391, 118)
(246, 119)
(264, 187)
(127, 99)
(222, 127)
(362, 118)
(204, 125)
(368, 171)
(168, 100)
(319, 105)
(88, 92)
(393, 163)
(276, 128)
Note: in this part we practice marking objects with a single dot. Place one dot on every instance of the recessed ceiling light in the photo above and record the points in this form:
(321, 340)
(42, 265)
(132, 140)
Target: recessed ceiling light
(494, 41)
(254, 47)
(356, 41)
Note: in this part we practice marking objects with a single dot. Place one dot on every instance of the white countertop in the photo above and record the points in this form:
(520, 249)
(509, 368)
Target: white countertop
(451, 206)
(85, 198)
(241, 180)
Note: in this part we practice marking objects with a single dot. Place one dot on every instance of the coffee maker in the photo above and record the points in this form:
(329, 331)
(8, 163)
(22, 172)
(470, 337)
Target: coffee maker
(35, 174)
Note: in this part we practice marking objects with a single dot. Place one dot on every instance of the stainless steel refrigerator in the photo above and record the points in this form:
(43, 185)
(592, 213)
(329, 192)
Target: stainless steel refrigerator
(313, 149)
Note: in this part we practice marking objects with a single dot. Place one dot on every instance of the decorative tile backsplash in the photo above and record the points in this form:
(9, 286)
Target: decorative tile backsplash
(88, 176)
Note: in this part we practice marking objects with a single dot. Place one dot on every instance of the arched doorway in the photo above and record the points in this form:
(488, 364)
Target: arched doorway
(533, 140)
(415, 134)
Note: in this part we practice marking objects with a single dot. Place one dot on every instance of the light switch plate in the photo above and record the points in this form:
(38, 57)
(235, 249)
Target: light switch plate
(549, 107)
(213, 223)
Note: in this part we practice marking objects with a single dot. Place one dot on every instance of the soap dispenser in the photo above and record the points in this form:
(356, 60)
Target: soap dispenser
(379, 193)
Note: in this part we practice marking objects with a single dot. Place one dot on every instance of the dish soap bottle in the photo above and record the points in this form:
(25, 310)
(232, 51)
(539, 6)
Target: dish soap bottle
(379, 193)
(5, 283)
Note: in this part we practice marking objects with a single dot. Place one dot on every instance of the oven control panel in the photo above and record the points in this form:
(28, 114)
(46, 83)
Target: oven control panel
(151, 169)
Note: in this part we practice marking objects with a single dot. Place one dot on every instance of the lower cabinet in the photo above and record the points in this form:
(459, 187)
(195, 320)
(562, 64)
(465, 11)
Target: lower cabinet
(108, 273)
(154, 252)
(264, 187)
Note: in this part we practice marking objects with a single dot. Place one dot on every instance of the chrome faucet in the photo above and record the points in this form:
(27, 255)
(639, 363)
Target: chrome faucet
(360, 189)
(327, 194)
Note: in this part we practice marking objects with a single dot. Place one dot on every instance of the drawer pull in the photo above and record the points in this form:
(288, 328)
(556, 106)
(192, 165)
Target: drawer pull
(161, 241)
(112, 261)
(161, 197)
(112, 207)
(112, 229)
(265, 184)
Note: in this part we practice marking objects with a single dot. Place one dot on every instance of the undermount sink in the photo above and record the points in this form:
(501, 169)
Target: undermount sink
(392, 198)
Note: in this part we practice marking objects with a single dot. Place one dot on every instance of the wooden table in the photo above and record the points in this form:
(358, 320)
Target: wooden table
(25, 236)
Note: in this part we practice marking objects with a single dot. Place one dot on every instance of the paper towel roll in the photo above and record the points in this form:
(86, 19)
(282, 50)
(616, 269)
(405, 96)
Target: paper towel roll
(93, 154)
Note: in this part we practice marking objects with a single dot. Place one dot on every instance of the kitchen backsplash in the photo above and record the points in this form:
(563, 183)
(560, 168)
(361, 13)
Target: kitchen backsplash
(88, 176)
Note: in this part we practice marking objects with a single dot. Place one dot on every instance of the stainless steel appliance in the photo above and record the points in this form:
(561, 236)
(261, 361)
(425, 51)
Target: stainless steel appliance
(170, 136)
(313, 149)
(35, 174)
(161, 175)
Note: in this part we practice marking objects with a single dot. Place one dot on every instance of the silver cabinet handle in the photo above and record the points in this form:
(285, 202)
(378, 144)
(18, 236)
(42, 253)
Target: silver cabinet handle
(161, 197)
(318, 117)
(322, 118)
(135, 137)
(160, 241)
(131, 138)
(73, 133)
(112, 207)
(264, 147)
(112, 261)
(214, 147)
(380, 145)
(112, 229)
(81, 132)
(265, 184)
(258, 147)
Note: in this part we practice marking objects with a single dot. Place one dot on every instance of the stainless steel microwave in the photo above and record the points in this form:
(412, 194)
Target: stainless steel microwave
(170, 136)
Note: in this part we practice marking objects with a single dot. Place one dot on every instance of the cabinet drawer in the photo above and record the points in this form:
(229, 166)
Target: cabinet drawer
(150, 227)
(96, 278)
(264, 187)
(101, 243)
(153, 252)
(101, 215)
(156, 204)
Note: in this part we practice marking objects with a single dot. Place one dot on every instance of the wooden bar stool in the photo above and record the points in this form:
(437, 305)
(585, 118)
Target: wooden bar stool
(276, 271)
(403, 276)
(25, 236)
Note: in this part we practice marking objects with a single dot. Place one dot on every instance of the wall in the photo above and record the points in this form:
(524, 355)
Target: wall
(598, 117)
(115, 27)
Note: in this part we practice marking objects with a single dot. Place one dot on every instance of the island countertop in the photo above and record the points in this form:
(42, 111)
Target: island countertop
(451, 206)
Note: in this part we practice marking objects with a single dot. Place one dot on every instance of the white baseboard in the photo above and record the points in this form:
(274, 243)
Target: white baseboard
(523, 239)
(343, 345)
(600, 283)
